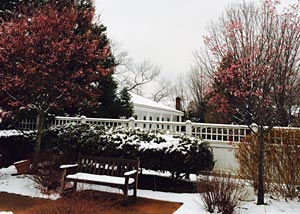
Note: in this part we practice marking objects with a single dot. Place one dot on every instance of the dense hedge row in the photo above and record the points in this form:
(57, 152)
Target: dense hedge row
(14, 146)
(156, 151)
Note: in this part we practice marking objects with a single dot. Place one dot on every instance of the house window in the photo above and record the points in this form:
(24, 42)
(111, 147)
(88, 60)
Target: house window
(157, 118)
(135, 117)
(145, 118)
(150, 118)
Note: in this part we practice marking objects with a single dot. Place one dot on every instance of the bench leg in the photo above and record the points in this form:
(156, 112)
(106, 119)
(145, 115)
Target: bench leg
(63, 182)
(62, 188)
(75, 186)
(125, 190)
(134, 192)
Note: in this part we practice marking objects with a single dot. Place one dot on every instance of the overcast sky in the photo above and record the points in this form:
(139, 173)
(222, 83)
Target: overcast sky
(164, 31)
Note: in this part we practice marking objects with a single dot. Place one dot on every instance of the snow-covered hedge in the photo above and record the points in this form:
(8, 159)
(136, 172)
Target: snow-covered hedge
(176, 154)
(15, 145)
(11, 133)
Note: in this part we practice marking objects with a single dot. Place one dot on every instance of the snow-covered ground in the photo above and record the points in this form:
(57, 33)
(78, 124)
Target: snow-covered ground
(20, 184)
(191, 202)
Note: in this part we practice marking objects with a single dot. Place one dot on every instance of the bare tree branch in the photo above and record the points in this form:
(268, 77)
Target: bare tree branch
(162, 91)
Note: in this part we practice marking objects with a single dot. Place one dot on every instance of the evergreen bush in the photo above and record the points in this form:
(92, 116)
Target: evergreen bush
(180, 155)
(15, 145)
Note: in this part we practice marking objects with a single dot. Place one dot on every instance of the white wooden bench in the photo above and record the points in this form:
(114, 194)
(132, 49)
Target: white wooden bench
(113, 172)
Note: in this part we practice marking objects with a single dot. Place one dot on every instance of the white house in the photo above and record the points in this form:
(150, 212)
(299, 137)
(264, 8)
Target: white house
(146, 109)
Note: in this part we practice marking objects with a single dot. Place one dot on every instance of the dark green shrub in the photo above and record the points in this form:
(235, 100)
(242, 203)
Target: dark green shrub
(181, 155)
(189, 156)
(15, 145)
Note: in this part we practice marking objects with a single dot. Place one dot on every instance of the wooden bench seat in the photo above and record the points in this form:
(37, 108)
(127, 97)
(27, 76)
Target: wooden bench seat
(113, 172)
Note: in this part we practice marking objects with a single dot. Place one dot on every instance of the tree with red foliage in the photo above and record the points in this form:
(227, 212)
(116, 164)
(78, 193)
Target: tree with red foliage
(13, 8)
(46, 62)
(255, 68)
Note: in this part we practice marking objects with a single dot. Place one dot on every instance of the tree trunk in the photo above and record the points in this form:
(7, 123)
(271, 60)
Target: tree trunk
(261, 191)
(38, 142)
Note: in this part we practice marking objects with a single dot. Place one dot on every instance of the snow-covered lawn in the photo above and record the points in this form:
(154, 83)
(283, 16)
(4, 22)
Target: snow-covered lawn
(191, 202)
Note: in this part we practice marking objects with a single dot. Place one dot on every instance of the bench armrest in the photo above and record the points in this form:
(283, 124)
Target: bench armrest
(68, 166)
(129, 173)
(65, 168)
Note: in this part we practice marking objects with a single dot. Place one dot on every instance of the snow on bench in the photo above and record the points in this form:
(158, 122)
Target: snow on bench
(99, 178)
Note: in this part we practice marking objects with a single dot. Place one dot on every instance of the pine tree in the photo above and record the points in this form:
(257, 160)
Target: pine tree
(125, 103)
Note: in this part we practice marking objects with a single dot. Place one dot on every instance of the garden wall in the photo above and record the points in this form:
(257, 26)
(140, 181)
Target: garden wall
(224, 157)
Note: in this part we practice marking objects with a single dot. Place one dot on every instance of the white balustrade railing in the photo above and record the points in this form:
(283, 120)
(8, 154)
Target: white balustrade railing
(96, 121)
(28, 124)
(220, 136)
(220, 132)
(206, 131)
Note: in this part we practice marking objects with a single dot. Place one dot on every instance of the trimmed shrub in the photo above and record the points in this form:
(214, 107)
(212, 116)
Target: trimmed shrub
(178, 155)
(282, 161)
(15, 145)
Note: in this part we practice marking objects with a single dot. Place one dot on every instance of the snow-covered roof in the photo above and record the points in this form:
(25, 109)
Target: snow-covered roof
(138, 100)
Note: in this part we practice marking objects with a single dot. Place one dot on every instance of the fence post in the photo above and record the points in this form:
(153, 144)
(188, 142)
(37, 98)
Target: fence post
(254, 127)
(83, 119)
(188, 128)
(131, 122)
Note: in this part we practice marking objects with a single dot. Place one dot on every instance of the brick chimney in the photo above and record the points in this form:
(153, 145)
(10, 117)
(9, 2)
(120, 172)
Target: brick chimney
(178, 103)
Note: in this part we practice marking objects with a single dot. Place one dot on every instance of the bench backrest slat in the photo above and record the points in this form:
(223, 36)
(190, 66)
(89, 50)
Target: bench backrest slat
(101, 168)
(87, 165)
(92, 166)
(106, 166)
(119, 169)
(95, 167)
(112, 168)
